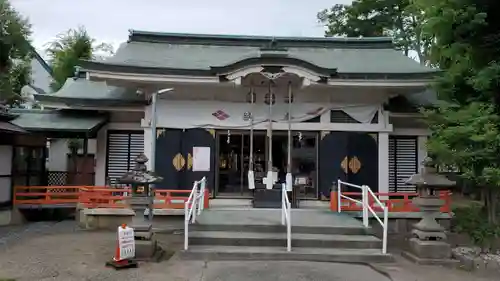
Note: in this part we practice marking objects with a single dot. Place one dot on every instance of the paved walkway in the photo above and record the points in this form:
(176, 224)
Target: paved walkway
(60, 252)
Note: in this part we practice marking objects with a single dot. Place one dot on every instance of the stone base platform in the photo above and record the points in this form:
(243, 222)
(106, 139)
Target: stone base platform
(420, 261)
(430, 253)
(111, 218)
(148, 250)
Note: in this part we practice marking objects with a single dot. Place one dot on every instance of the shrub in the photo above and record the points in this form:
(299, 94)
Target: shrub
(473, 221)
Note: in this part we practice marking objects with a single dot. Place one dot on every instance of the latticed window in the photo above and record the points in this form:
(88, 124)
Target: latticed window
(403, 162)
(123, 147)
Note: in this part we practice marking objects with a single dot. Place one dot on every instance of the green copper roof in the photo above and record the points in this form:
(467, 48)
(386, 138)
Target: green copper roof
(59, 121)
(9, 128)
(258, 40)
(87, 93)
(196, 54)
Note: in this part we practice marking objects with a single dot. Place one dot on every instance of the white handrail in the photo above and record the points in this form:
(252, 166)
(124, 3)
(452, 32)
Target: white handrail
(362, 202)
(365, 193)
(286, 216)
(193, 207)
(386, 216)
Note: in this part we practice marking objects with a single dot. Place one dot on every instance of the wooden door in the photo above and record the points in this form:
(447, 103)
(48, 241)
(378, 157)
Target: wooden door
(362, 165)
(332, 152)
(81, 169)
(198, 138)
(170, 163)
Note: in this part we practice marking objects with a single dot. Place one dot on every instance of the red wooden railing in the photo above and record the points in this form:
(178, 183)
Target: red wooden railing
(96, 196)
(397, 202)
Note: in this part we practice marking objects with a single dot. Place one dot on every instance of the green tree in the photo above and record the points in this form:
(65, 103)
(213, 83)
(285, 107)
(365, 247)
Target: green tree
(399, 19)
(15, 53)
(465, 128)
(68, 49)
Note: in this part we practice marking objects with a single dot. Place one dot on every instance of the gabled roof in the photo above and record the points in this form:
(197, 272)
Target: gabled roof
(5, 125)
(42, 62)
(207, 55)
(82, 92)
(59, 122)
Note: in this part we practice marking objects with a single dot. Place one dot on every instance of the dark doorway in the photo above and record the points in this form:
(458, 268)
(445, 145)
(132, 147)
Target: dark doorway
(233, 161)
(29, 165)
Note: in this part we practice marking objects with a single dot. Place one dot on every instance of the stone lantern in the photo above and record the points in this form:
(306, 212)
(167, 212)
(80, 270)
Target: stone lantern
(142, 198)
(428, 243)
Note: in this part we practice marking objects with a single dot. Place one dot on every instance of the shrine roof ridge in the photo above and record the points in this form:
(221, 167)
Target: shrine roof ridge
(260, 40)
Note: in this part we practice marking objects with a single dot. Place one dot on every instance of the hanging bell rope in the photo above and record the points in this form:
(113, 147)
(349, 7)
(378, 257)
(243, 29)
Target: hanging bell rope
(248, 116)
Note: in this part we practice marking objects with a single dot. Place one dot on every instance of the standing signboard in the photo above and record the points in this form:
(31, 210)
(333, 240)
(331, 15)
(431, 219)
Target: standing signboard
(126, 243)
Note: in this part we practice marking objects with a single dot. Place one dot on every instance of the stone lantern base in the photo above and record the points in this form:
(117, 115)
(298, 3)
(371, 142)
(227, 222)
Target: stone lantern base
(148, 250)
(429, 252)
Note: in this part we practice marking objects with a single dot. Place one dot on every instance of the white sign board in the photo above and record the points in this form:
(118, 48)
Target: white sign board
(126, 243)
(201, 159)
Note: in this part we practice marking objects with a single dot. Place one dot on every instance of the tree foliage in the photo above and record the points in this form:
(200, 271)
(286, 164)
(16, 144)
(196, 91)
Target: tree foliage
(68, 49)
(400, 19)
(15, 53)
(466, 128)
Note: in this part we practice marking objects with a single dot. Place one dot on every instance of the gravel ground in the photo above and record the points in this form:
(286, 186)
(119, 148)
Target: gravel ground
(61, 252)
(403, 270)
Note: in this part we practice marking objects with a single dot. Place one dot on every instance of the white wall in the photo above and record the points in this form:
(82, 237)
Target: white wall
(5, 169)
(422, 151)
(58, 153)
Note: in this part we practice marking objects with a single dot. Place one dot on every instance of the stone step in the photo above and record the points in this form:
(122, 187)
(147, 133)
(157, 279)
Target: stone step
(269, 239)
(198, 252)
(342, 230)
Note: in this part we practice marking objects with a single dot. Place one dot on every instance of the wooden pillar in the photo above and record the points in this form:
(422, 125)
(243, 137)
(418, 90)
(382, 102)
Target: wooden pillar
(206, 199)
(85, 156)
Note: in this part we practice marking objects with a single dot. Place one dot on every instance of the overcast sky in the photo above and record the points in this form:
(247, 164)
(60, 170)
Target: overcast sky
(109, 20)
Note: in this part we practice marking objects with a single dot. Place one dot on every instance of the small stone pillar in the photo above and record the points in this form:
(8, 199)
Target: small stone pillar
(428, 243)
(142, 198)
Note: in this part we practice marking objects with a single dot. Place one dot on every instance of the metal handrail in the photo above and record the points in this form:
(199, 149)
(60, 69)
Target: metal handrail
(386, 213)
(286, 216)
(193, 207)
(365, 193)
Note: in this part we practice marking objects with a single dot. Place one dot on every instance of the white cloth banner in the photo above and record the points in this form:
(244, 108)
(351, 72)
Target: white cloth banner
(229, 115)
(360, 113)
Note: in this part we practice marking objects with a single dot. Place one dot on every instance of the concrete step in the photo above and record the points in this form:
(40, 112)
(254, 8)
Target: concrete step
(341, 230)
(198, 252)
(233, 238)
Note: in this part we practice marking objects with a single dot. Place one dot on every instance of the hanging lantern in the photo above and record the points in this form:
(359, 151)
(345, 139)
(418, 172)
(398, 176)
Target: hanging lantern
(289, 99)
(300, 139)
(228, 137)
(270, 98)
(251, 97)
